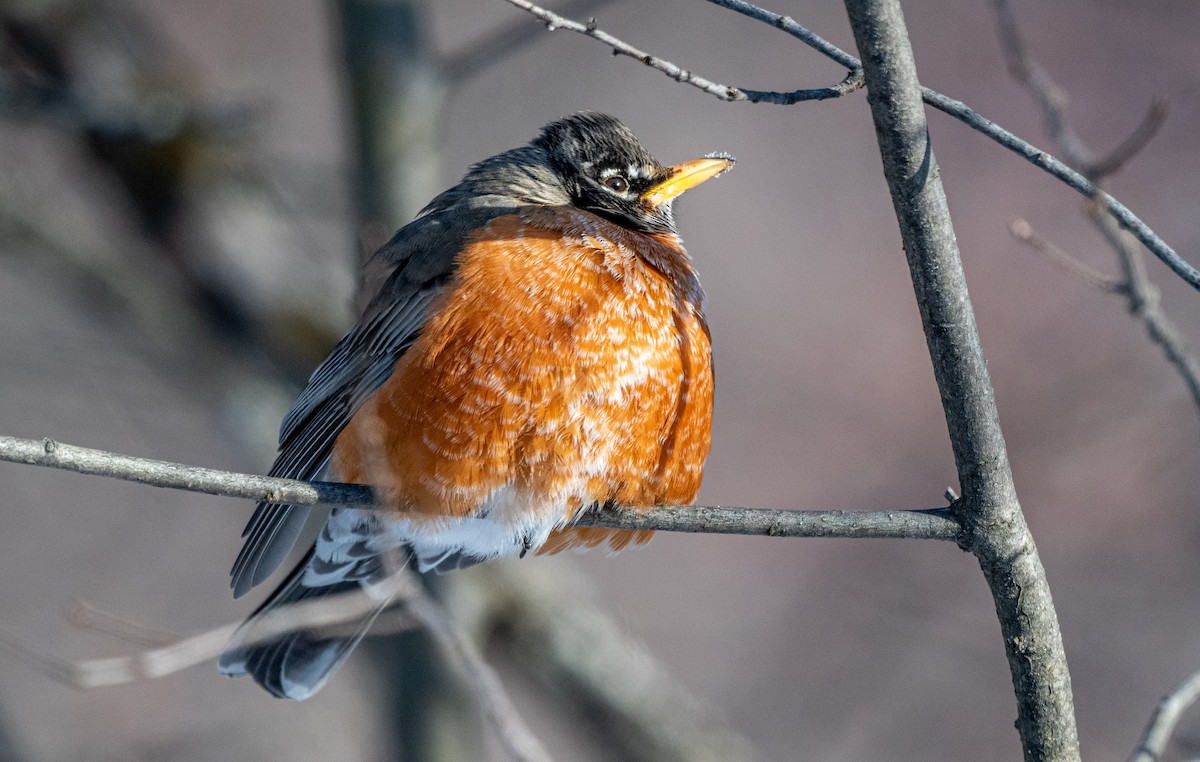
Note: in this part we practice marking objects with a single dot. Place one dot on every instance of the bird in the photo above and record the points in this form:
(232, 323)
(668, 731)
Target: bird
(532, 345)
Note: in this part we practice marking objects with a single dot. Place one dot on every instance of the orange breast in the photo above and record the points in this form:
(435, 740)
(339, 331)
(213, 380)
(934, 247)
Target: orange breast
(568, 363)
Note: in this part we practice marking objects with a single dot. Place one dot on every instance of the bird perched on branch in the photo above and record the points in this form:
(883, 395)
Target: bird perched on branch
(531, 345)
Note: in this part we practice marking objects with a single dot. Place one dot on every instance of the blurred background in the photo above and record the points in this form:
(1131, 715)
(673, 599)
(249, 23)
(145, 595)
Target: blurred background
(183, 201)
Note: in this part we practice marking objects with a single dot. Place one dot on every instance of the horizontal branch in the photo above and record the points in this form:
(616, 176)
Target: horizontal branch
(161, 473)
(935, 524)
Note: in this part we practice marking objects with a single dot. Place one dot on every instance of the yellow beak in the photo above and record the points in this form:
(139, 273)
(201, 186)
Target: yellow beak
(689, 174)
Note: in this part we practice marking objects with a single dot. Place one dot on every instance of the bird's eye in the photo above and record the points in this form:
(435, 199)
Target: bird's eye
(616, 183)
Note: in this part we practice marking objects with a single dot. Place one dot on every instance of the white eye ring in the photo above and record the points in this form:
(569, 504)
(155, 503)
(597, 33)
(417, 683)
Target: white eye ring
(616, 183)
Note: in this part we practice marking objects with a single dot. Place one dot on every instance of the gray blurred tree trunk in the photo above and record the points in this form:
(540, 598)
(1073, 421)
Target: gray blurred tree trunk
(396, 97)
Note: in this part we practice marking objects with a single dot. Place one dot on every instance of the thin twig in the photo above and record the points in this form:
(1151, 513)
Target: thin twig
(928, 524)
(158, 473)
(1144, 304)
(553, 21)
(979, 123)
(1135, 285)
(1050, 97)
(606, 678)
(1119, 156)
(1052, 100)
(85, 616)
(516, 736)
(321, 615)
(195, 649)
(1166, 716)
(955, 108)
(503, 41)
(1024, 232)
(789, 25)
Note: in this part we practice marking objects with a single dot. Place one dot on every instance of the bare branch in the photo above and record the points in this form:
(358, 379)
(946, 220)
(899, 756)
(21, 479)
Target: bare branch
(1024, 232)
(979, 123)
(518, 739)
(789, 25)
(1155, 117)
(195, 649)
(1166, 716)
(1135, 285)
(993, 524)
(158, 473)
(502, 42)
(609, 680)
(943, 103)
(1051, 98)
(85, 616)
(1144, 303)
(851, 82)
(932, 524)
(327, 613)
(1053, 102)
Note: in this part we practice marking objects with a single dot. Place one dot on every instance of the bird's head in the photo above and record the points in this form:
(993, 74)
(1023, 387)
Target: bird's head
(606, 171)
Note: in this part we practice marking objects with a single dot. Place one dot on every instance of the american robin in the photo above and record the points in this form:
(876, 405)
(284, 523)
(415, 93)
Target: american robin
(534, 344)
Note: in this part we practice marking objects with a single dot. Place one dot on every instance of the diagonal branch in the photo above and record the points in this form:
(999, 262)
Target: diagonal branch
(1153, 743)
(1152, 121)
(930, 524)
(1052, 100)
(851, 82)
(955, 108)
(402, 588)
(993, 525)
(1143, 300)
(1024, 232)
(501, 42)
(1140, 293)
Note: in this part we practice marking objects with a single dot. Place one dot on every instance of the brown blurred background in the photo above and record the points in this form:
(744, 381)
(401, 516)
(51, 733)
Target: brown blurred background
(173, 321)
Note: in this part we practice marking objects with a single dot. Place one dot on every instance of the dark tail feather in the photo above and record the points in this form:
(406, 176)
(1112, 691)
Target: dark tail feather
(295, 665)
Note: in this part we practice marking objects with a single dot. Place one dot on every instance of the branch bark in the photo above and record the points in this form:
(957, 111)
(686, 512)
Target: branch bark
(926, 524)
(994, 527)
(853, 81)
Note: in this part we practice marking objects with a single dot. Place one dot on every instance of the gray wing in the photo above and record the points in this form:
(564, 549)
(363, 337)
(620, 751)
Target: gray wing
(409, 273)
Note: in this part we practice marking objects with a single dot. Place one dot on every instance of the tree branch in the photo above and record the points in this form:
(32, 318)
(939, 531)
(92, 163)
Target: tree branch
(979, 123)
(994, 527)
(927, 524)
(943, 103)
(1052, 100)
(609, 680)
(1140, 293)
(1024, 232)
(516, 736)
(327, 613)
(1166, 716)
(1143, 300)
(501, 42)
(851, 82)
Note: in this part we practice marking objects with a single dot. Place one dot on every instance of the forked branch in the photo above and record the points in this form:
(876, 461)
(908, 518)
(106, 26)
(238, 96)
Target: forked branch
(955, 108)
